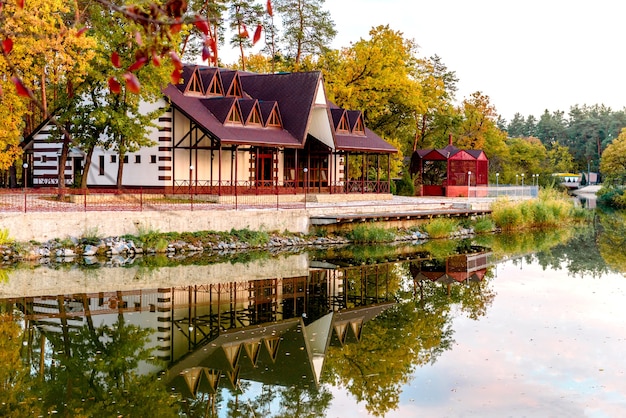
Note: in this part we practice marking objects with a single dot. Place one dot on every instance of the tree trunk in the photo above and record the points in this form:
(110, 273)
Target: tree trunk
(120, 170)
(86, 167)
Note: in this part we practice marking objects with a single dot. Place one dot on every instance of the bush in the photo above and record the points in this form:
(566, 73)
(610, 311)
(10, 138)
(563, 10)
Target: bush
(483, 225)
(368, 233)
(405, 186)
(441, 227)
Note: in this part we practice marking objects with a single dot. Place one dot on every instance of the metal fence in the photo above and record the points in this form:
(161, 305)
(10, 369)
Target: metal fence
(78, 200)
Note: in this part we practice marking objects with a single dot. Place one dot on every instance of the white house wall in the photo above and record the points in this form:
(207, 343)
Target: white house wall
(149, 166)
(320, 123)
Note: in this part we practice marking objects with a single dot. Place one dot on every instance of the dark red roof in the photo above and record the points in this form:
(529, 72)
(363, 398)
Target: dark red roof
(291, 94)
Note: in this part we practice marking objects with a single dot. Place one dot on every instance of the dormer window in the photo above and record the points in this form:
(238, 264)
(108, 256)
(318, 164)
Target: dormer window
(274, 120)
(215, 89)
(235, 88)
(234, 116)
(195, 85)
(255, 117)
(358, 127)
(343, 125)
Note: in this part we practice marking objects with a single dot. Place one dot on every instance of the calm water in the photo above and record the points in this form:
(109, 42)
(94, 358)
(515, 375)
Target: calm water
(521, 325)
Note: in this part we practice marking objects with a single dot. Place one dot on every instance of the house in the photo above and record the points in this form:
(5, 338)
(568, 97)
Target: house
(227, 132)
(451, 171)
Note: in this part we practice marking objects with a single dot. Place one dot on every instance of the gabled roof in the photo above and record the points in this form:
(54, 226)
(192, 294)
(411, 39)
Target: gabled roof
(290, 97)
(294, 92)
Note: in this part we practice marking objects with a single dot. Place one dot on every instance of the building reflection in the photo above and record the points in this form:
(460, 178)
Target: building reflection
(274, 331)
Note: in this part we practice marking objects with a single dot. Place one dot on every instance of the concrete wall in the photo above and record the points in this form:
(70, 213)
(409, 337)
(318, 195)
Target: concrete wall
(44, 226)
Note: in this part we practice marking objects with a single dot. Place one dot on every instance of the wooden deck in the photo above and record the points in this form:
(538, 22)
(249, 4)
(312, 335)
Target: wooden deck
(347, 218)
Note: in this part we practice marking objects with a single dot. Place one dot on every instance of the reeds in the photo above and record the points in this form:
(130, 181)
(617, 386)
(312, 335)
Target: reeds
(550, 209)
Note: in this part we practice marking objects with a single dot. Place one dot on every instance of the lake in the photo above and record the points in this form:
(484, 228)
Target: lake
(501, 325)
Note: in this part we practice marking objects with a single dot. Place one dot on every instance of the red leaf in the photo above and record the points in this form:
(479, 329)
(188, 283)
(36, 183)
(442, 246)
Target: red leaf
(114, 86)
(7, 46)
(138, 38)
(81, 31)
(178, 64)
(201, 24)
(20, 4)
(115, 60)
(138, 64)
(206, 53)
(156, 61)
(20, 87)
(257, 34)
(132, 83)
(270, 11)
(176, 27)
(1, 92)
(243, 32)
(176, 76)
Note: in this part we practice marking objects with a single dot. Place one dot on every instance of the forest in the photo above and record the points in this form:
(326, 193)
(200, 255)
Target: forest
(86, 65)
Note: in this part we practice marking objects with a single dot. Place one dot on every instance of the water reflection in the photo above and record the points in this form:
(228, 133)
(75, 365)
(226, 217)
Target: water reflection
(275, 336)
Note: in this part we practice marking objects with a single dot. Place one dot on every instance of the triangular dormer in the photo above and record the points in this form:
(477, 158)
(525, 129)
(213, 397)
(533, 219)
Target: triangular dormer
(251, 112)
(235, 87)
(343, 126)
(270, 114)
(195, 86)
(213, 82)
(355, 119)
(221, 107)
(234, 115)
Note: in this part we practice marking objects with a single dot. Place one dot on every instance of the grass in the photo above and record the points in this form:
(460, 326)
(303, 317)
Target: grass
(370, 233)
(551, 209)
(441, 227)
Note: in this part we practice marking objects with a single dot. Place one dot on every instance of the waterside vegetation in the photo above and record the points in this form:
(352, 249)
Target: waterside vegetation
(551, 209)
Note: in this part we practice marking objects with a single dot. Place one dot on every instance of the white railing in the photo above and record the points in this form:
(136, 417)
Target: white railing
(504, 190)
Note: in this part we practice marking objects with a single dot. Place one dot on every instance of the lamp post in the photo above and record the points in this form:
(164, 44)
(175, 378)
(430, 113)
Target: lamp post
(24, 176)
(522, 184)
(306, 183)
(190, 179)
(497, 183)
(469, 176)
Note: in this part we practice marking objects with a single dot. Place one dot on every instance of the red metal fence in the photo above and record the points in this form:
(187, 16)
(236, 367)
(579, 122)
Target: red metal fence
(181, 197)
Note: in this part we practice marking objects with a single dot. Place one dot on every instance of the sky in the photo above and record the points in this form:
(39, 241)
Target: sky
(527, 56)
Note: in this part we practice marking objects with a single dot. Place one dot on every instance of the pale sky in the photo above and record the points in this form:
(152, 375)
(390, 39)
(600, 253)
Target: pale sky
(527, 56)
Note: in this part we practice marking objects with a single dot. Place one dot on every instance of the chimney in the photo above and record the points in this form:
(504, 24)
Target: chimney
(449, 139)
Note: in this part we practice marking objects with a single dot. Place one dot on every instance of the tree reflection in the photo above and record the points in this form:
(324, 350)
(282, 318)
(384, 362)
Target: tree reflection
(96, 374)
(392, 346)
(612, 239)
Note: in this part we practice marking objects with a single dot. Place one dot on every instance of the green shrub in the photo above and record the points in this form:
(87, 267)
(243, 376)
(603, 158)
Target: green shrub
(253, 238)
(368, 233)
(4, 237)
(405, 186)
(483, 224)
(441, 227)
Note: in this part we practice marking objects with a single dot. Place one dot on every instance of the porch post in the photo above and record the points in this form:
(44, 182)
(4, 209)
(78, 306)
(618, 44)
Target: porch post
(389, 173)
(363, 172)
(297, 169)
(219, 171)
(346, 175)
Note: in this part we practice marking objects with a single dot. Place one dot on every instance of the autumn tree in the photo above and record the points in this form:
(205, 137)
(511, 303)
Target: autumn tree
(45, 57)
(437, 116)
(307, 28)
(613, 162)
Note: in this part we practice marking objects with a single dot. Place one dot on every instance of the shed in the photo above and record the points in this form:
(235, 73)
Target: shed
(451, 171)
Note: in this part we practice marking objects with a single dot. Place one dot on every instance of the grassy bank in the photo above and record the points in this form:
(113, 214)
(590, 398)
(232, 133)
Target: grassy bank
(551, 209)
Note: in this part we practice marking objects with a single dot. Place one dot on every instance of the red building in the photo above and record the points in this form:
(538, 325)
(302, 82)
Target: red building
(451, 171)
